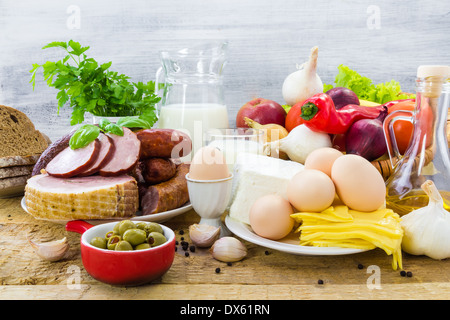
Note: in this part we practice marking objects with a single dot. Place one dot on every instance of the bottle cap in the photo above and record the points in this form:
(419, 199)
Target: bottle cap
(433, 71)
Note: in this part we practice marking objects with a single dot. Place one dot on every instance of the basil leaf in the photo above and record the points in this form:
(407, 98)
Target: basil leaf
(103, 123)
(133, 122)
(83, 136)
(114, 129)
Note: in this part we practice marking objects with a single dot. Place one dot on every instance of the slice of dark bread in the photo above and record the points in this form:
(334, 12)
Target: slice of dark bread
(18, 135)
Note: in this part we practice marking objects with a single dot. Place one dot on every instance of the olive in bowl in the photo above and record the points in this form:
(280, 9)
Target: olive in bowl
(124, 264)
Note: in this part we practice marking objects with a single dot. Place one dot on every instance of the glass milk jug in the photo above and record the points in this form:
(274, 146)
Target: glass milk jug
(427, 157)
(193, 99)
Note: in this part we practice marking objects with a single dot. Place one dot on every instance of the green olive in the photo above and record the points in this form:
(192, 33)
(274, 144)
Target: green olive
(116, 228)
(108, 235)
(135, 236)
(99, 242)
(125, 225)
(155, 239)
(123, 246)
(142, 246)
(141, 225)
(153, 227)
(112, 242)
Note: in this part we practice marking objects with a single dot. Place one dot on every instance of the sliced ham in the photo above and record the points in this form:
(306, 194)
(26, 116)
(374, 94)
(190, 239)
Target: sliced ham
(92, 197)
(104, 156)
(126, 154)
(69, 163)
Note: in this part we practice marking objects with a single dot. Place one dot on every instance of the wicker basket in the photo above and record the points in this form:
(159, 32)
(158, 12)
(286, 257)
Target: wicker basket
(384, 165)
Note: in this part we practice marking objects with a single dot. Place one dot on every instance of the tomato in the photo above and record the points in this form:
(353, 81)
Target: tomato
(293, 118)
(403, 129)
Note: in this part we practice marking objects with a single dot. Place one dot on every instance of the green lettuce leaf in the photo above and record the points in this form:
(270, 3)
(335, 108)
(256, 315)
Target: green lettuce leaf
(365, 89)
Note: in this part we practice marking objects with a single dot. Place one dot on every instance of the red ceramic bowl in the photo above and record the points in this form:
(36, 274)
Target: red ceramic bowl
(125, 268)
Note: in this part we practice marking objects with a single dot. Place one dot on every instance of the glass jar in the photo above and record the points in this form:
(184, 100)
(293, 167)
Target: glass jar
(427, 157)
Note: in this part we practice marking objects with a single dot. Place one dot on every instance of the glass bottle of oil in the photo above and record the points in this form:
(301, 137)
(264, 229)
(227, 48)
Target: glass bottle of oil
(427, 157)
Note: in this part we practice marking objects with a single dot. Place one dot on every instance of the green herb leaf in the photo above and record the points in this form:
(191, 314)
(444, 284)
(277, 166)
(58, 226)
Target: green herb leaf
(133, 122)
(103, 123)
(114, 129)
(88, 86)
(84, 136)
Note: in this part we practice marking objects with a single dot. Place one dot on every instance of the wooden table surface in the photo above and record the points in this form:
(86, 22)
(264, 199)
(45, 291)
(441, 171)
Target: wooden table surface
(264, 274)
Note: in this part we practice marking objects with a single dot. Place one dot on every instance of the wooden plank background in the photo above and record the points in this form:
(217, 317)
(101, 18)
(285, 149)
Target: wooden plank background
(381, 39)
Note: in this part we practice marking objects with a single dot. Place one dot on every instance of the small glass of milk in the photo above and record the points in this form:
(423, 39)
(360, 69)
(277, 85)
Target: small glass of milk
(234, 141)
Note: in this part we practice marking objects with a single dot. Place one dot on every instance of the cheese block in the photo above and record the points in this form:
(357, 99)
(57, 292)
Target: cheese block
(92, 197)
(256, 176)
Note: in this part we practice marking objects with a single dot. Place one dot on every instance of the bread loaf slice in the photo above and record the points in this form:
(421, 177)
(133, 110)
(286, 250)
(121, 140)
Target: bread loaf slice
(91, 197)
(18, 135)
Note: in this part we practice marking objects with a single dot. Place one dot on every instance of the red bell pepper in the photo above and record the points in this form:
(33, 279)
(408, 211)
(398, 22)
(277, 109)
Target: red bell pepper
(318, 113)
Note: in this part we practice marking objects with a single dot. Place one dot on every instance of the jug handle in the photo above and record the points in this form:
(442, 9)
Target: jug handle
(157, 81)
(389, 134)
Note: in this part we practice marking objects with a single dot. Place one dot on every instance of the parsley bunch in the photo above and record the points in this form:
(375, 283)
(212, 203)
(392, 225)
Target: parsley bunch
(90, 87)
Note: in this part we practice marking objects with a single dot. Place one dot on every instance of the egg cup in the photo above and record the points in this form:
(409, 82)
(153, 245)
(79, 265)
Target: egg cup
(210, 198)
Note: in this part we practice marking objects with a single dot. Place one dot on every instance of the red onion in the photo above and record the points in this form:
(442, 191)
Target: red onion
(366, 137)
(342, 96)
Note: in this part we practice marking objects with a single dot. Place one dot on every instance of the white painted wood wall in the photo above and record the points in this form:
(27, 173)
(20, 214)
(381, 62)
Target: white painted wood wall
(381, 39)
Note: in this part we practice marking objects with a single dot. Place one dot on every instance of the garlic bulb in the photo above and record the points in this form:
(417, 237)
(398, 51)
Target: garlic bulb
(52, 250)
(427, 230)
(303, 83)
(203, 235)
(228, 249)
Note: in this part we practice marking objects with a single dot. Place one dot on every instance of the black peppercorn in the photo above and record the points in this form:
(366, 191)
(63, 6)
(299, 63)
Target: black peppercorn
(229, 264)
(403, 273)
(186, 254)
(320, 281)
(217, 270)
(409, 274)
(266, 253)
(192, 248)
(360, 266)
(181, 232)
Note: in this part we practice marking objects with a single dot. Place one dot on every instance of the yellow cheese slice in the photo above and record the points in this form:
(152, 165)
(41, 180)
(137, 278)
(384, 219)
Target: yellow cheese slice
(337, 226)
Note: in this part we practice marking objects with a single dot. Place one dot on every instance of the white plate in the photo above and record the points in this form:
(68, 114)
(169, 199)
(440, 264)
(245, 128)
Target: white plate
(288, 244)
(157, 217)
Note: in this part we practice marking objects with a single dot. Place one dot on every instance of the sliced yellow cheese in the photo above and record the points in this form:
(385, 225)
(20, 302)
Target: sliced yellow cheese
(337, 226)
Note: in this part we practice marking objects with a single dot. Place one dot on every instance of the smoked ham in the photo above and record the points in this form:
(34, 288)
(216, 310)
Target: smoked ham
(126, 154)
(71, 162)
(92, 197)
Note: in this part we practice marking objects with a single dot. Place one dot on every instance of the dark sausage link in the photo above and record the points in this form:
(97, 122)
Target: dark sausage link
(167, 195)
(164, 143)
(157, 170)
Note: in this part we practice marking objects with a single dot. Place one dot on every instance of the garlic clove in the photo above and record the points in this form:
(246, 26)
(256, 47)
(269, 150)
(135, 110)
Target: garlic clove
(228, 249)
(203, 235)
(52, 250)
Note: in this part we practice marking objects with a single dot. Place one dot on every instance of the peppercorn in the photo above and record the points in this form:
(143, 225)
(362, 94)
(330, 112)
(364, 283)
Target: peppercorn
(403, 273)
(192, 248)
(181, 232)
(266, 253)
(229, 264)
(217, 270)
(186, 254)
(360, 266)
(409, 274)
(320, 281)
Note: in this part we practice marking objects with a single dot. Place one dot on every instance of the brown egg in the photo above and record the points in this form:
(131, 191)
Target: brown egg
(322, 159)
(311, 190)
(208, 163)
(270, 217)
(358, 183)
